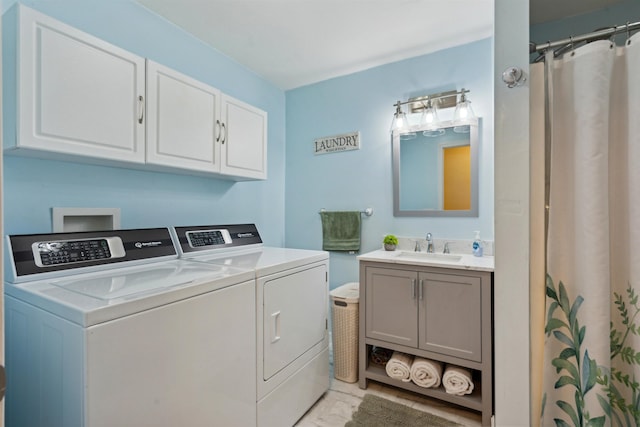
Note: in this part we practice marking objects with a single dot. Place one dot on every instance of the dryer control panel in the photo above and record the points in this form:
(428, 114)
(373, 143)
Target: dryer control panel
(202, 238)
(215, 237)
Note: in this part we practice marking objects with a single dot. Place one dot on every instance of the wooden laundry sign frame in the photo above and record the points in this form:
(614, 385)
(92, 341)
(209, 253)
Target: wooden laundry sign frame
(337, 143)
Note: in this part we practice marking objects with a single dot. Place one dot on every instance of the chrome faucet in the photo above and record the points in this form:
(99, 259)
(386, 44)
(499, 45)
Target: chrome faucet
(446, 248)
(429, 243)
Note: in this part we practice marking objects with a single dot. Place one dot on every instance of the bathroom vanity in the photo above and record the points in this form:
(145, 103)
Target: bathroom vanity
(436, 306)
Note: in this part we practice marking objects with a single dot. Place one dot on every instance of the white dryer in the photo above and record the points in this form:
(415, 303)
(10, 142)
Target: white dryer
(111, 329)
(292, 312)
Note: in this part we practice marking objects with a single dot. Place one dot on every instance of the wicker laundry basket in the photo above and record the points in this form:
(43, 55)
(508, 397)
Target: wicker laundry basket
(344, 311)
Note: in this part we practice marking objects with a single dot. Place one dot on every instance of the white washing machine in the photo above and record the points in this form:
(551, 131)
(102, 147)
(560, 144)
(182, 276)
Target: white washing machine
(292, 312)
(111, 329)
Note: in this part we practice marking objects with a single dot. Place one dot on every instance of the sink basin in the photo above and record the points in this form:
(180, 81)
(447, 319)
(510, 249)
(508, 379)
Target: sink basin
(430, 256)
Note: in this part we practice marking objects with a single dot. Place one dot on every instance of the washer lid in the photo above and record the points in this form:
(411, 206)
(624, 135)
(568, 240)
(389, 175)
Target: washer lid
(92, 298)
(127, 284)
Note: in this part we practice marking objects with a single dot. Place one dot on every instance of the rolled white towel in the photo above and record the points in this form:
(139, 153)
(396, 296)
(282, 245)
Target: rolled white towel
(426, 373)
(399, 366)
(457, 380)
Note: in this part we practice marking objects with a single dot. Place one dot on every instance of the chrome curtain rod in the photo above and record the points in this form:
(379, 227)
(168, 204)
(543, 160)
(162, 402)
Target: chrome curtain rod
(595, 35)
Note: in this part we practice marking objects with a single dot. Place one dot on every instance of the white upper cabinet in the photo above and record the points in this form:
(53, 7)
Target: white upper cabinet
(193, 126)
(80, 98)
(243, 139)
(77, 95)
(182, 121)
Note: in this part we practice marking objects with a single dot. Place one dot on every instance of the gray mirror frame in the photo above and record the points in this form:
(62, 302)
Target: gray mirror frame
(474, 146)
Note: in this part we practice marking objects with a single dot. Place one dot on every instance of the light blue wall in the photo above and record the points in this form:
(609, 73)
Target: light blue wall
(32, 187)
(352, 180)
(618, 14)
(362, 178)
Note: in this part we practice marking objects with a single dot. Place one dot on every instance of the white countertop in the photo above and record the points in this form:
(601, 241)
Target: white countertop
(466, 262)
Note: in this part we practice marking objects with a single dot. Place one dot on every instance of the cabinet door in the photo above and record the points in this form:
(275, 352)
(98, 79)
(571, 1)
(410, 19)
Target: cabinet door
(392, 305)
(77, 95)
(182, 120)
(450, 315)
(243, 140)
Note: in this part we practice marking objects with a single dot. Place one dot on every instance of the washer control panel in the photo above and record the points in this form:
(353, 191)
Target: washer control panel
(44, 256)
(201, 238)
(57, 252)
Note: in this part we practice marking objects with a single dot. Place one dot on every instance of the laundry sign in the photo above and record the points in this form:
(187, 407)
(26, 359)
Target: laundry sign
(337, 143)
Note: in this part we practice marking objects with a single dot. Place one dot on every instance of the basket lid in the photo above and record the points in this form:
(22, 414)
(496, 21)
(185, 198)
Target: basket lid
(349, 292)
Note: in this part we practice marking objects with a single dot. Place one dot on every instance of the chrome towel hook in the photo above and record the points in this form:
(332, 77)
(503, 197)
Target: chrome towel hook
(513, 76)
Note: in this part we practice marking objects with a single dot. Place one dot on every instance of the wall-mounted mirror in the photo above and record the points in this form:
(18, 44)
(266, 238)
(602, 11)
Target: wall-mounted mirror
(435, 173)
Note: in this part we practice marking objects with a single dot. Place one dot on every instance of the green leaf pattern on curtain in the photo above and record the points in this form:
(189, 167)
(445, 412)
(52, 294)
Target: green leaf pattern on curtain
(575, 368)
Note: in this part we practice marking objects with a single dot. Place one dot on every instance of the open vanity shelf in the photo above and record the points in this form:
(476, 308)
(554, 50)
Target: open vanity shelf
(442, 314)
(472, 401)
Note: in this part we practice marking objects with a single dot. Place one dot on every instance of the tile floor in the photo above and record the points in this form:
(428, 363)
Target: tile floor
(335, 407)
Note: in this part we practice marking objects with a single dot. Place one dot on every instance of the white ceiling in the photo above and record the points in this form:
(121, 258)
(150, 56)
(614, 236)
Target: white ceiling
(293, 43)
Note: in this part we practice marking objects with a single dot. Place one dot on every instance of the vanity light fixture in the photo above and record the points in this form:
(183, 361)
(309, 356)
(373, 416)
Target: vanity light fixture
(429, 106)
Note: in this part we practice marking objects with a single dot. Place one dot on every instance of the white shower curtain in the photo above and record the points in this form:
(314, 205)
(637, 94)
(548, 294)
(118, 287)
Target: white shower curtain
(591, 366)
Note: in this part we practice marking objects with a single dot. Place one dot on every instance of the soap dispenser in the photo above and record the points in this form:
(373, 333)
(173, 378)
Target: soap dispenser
(477, 245)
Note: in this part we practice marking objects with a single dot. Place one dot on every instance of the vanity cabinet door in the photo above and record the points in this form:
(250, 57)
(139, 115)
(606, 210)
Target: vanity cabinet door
(77, 95)
(450, 320)
(183, 120)
(392, 305)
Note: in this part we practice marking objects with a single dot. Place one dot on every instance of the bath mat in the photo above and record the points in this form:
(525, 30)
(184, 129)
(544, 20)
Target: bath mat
(375, 411)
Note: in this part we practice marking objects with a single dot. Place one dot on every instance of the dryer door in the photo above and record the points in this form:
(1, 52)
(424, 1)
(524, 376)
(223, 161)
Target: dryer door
(294, 316)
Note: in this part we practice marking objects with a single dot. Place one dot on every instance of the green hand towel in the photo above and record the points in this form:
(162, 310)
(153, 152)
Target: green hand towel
(341, 231)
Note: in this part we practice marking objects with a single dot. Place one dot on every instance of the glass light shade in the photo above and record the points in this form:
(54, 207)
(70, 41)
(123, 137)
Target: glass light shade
(462, 129)
(463, 111)
(433, 133)
(462, 115)
(430, 122)
(399, 122)
(408, 135)
(429, 116)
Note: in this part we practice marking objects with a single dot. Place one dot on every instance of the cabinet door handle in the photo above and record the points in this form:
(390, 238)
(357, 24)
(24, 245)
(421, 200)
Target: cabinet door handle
(140, 109)
(224, 128)
(275, 336)
(219, 130)
(413, 288)
(420, 290)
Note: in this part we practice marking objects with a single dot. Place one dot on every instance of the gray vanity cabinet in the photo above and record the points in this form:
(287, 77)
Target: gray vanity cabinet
(434, 312)
(438, 313)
